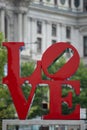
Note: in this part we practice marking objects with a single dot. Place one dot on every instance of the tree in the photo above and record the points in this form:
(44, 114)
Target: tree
(41, 92)
(2, 56)
(81, 75)
(6, 106)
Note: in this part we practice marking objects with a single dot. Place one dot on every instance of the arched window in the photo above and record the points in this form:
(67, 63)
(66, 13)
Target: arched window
(76, 3)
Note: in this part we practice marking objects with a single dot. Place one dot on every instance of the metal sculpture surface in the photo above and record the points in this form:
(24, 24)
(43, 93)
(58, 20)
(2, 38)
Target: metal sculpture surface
(56, 80)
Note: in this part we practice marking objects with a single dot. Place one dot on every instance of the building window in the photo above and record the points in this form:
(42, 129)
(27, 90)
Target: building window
(85, 5)
(68, 32)
(6, 27)
(76, 3)
(39, 44)
(62, 2)
(39, 27)
(53, 41)
(85, 45)
(55, 2)
(69, 3)
(69, 51)
(54, 30)
(41, 1)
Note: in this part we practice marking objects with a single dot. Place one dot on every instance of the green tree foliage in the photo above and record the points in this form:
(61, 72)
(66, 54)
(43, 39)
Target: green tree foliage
(27, 68)
(56, 65)
(2, 56)
(41, 91)
(6, 106)
(7, 109)
(81, 74)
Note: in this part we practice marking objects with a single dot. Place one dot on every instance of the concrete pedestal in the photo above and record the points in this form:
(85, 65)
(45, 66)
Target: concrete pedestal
(47, 124)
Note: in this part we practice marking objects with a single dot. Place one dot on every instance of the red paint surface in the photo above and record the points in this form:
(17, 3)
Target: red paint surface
(14, 81)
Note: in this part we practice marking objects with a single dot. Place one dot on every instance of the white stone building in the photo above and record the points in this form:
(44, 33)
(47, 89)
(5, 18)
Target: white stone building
(44, 22)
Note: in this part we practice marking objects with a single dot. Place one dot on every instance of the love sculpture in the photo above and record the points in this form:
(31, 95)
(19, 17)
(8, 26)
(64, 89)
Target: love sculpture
(55, 81)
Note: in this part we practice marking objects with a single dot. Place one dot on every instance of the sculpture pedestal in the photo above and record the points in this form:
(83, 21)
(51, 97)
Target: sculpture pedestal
(43, 124)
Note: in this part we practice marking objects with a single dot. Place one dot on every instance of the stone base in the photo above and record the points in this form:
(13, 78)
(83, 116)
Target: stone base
(43, 124)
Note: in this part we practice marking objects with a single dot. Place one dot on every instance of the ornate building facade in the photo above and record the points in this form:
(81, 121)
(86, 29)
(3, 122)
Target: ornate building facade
(44, 22)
